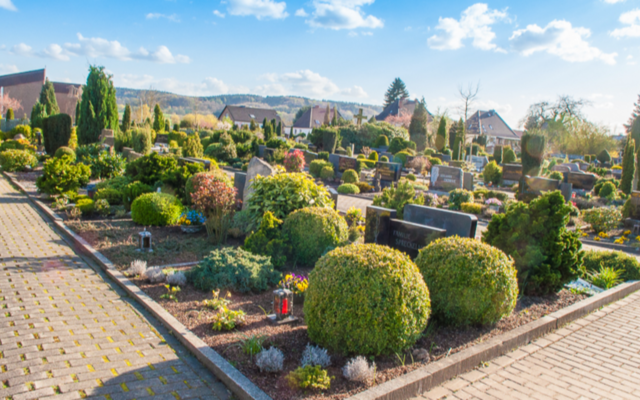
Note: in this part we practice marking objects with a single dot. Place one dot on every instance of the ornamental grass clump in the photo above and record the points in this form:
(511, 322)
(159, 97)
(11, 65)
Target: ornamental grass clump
(470, 282)
(217, 201)
(366, 299)
(359, 370)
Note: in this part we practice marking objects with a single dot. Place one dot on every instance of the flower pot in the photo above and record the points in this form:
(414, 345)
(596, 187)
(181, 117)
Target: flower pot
(191, 228)
(495, 208)
(298, 300)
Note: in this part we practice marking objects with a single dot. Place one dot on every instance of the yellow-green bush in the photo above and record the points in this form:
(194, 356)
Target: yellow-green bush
(471, 208)
(312, 231)
(366, 299)
(470, 282)
(87, 206)
(17, 160)
(348, 188)
(350, 176)
(156, 209)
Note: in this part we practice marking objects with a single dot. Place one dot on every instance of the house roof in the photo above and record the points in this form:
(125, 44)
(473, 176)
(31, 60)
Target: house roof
(491, 124)
(314, 117)
(246, 114)
(404, 105)
(22, 78)
(65, 88)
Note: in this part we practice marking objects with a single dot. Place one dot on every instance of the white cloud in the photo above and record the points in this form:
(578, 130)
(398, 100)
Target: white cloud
(614, 1)
(208, 87)
(601, 101)
(631, 18)
(305, 83)
(22, 49)
(355, 91)
(172, 17)
(258, 8)
(8, 69)
(559, 38)
(475, 23)
(56, 52)
(218, 14)
(342, 14)
(301, 13)
(8, 5)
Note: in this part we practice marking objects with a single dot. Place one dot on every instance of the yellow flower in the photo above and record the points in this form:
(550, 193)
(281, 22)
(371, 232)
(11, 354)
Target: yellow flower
(188, 222)
(597, 239)
(603, 235)
(626, 233)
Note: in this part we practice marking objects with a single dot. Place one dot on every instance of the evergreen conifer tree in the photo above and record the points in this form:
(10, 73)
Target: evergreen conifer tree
(126, 118)
(9, 116)
(334, 120)
(38, 114)
(78, 112)
(635, 132)
(452, 134)
(158, 119)
(634, 116)
(628, 167)
(279, 129)
(268, 131)
(98, 109)
(264, 122)
(396, 91)
(252, 125)
(418, 126)
(48, 98)
(167, 125)
(441, 136)
(327, 117)
(458, 144)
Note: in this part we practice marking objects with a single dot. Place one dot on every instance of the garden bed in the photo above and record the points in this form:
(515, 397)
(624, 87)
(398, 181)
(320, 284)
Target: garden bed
(117, 241)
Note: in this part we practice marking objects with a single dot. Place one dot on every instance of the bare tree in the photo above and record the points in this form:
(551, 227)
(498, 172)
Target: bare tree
(565, 108)
(468, 96)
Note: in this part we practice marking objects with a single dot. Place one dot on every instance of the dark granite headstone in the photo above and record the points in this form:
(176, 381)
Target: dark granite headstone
(479, 161)
(580, 180)
(162, 138)
(378, 224)
(635, 205)
(309, 157)
(346, 163)
(455, 223)
(239, 182)
(261, 150)
(443, 157)
(537, 184)
(456, 164)
(511, 172)
(409, 237)
(445, 178)
(467, 183)
(389, 172)
(267, 153)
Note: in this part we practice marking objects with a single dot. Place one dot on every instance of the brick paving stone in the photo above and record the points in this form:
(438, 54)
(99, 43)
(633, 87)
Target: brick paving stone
(596, 357)
(68, 332)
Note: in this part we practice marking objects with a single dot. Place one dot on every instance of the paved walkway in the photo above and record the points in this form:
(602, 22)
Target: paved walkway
(596, 357)
(66, 332)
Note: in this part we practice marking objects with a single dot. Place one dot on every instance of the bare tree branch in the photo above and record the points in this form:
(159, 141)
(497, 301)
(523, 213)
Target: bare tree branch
(468, 96)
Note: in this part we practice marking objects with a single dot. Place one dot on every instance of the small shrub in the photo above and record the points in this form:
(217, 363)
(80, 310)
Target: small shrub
(309, 377)
(197, 180)
(366, 299)
(492, 173)
(600, 183)
(56, 131)
(604, 156)
(471, 208)
(398, 198)
(177, 278)
(459, 196)
(217, 201)
(102, 207)
(327, 172)
(348, 188)
(350, 176)
(508, 156)
(364, 187)
(234, 269)
(411, 177)
(136, 268)
(382, 141)
(608, 191)
(294, 161)
(156, 209)
(17, 160)
(316, 167)
(86, 206)
(270, 360)
(269, 241)
(192, 147)
(142, 140)
(384, 159)
(314, 355)
(311, 231)
(401, 157)
(628, 264)
(65, 151)
(358, 370)
(605, 278)
(60, 176)
(112, 196)
(323, 155)
(373, 156)
(602, 219)
(557, 175)
(469, 282)
(154, 275)
(134, 190)
(226, 320)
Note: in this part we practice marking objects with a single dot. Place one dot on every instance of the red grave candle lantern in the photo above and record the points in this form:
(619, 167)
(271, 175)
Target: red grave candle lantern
(283, 304)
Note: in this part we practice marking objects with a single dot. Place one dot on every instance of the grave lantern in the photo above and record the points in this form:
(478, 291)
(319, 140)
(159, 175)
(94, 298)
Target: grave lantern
(144, 241)
(282, 307)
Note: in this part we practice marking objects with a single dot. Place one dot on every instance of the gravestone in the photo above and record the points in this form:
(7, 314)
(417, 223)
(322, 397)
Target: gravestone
(132, 156)
(443, 157)
(467, 183)
(511, 173)
(267, 153)
(346, 163)
(309, 157)
(162, 138)
(581, 180)
(561, 168)
(378, 224)
(389, 172)
(573, 167)
(456, 164)
(583, 165)
(334, 196)
(572, 157)
(634, 200)
(261, 150)
(107, 137)
(239, 181)
(537, 185)
(257, 167)
(453, 222)
(385, 154)
(206, 164)
(445, 178)
(126, 151)
(409, 237)
(479, 161)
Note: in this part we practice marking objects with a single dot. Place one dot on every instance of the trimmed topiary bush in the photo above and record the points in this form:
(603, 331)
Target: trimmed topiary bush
(604, 156)
(469, 281)
(384, 159)
(113, 196)
(350, 176)
(66, 151)
(134, 190)
(459, 196)
(373, 156)
(156, 209)
(608, 190)
(593, 260)
(557, 175)
(366, 299)
(327, 172)
(381, 141)
(60, 176)
(492, 173)
(312, 231)
(234, 269)
(86, 206)
(316, 167)
(348, 188)
(17, 160)
(56, 131)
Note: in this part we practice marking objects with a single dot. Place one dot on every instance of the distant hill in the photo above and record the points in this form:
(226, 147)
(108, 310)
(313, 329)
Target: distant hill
(286, 106)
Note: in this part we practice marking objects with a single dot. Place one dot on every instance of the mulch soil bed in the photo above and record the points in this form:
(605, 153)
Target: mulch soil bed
(116, 240)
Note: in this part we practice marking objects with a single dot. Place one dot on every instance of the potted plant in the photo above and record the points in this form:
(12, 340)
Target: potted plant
(191, 221)
(494, 204)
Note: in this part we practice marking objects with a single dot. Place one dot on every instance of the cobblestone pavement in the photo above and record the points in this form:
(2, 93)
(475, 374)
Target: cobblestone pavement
(67, 332)
(596, 357)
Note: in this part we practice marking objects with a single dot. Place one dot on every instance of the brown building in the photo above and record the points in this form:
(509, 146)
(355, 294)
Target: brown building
(242, 116)
(498, 132)
(26, 86)
(312, 118)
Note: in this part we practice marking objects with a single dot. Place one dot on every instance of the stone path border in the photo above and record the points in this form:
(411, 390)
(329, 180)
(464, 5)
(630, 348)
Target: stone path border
(401, 388)
(239, 384)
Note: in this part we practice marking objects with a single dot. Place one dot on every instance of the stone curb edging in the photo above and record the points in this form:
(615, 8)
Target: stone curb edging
(432, 375)
(610, 246)
(239, 384)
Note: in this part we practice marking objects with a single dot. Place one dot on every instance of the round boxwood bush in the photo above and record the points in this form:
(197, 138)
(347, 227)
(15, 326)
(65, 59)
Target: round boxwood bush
(17, 160)
(65, 151)
(327, 172)
(593, 260)
(86, 206)
(384, 159)
(113, 196)
(470, 282)
(350, 176)
(607, 190)
(366, 299)
(312, 231)
(316, 166)
(348, 188)
(557, 175)
(156, 209)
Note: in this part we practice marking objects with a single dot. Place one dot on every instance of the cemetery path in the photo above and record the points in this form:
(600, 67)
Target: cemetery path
(596, 357)
(68, 332)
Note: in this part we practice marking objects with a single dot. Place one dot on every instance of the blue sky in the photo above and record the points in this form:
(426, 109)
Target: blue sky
(520, 52)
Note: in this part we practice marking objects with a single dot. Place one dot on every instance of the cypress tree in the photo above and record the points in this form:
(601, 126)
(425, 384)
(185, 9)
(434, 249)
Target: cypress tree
(628, 167)
(441, 136)
(264, 123)
(252, 125)
(38, 114)
(635, 132)
(9, 116)
(279, 129)
(78, 112)
(48, 98)
(167, 125)
(418, 126)
(452, 134)
(158, 119)
(274, 123)
(327, 117)
(458, 143)
(533, 146)
(268, 131)
(126, 118)
(98, 109)
(334, 121)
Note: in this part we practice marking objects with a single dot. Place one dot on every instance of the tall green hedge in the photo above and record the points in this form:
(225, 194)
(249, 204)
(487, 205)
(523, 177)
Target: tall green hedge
(628, 167)
(330, 139)
(532, 146)
(56, 131)
(497, 154)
